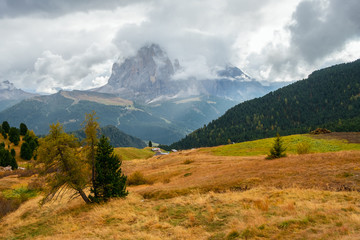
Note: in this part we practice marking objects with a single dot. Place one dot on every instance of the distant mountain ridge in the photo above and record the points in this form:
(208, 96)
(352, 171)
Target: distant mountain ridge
(142, 99)
(327, 98)
(149, 75)
(10, 95)
(117, 138)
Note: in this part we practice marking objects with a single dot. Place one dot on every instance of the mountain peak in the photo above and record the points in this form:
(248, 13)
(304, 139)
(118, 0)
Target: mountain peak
(146, 74)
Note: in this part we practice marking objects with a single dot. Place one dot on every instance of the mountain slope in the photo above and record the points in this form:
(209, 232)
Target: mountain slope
(327, 98)
(117, 137)
(69, 108)
(10, 95)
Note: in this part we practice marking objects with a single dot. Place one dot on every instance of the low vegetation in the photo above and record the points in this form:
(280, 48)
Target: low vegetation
(262, 146)
(203, 194)
(129, 153)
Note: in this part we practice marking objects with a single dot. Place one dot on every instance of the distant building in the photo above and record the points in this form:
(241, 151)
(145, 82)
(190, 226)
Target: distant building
(155, 149)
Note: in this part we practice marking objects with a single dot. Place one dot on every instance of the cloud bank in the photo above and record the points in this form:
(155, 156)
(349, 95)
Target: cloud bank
(51, 45)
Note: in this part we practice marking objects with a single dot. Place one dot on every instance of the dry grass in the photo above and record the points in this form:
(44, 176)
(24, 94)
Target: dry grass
(324, 171)
(262, 213)
(196, 195)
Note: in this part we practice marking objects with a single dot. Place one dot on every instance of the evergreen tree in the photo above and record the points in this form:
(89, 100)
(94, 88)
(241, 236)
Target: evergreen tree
(6, 126)
(13, 153)
(3, 133)
(6, 158)
(14, 135)
(25, 151)
(150, 144)
(109, 181)
(59, 154)
(278, 149)
(23, 129)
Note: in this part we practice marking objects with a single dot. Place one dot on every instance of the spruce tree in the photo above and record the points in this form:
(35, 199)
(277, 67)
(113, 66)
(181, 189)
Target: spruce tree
(278, 149)
(14, 135)
(6, 126)
(150, 144)
(25, 151)
(23, 129)
(109, 181)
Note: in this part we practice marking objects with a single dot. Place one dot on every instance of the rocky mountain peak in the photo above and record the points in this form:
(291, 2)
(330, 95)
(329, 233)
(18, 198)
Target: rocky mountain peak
(143, 76)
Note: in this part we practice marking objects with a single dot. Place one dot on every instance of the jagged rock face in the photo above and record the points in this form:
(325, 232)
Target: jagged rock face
(147, 77)
(146, 74)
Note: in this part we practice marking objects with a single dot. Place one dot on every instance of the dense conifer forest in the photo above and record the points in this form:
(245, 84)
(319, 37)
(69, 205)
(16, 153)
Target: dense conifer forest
(327, 98)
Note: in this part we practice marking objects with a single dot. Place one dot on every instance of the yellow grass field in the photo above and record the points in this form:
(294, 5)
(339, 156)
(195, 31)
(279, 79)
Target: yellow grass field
(201, 194)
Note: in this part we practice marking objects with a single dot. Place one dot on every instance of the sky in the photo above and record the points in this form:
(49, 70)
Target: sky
(50, 45)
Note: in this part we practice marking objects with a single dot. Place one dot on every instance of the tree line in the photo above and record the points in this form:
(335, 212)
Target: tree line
(28, 146)
(328, 98)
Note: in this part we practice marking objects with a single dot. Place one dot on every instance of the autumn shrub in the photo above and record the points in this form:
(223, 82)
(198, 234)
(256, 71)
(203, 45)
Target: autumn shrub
(303, 148)
(137, 178)
(8, 205)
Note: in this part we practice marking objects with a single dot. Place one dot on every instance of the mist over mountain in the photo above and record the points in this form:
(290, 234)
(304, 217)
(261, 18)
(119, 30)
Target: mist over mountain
(328, 98)
(10, 95)
(147, 96)
(150, 75)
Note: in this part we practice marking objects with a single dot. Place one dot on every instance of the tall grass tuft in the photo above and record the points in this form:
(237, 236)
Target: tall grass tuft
(137, 178)
(303, 148)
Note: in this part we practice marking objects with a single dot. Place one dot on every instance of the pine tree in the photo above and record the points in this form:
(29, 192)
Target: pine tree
(59, 154)
(5, 126)
(278, 149)
(25, 151)
(23, 129)
(14, 135)
(109, 181)
(150, 144)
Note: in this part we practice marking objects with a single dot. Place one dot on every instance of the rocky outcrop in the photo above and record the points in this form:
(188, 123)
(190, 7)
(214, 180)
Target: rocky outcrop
(147, 78)
(144, 76)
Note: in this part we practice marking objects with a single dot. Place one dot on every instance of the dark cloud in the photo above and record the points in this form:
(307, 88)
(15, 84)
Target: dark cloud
(55, 8)
(321, 28)
(318, 29)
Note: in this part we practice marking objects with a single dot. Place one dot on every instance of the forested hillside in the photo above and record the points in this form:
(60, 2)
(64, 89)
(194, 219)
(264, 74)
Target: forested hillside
(116, 137)
(327, 98)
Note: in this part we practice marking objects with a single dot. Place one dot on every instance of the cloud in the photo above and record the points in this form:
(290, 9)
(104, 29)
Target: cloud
(319, 29)
(201, 34)
(56, 8)
(72, 44)
(53, 72)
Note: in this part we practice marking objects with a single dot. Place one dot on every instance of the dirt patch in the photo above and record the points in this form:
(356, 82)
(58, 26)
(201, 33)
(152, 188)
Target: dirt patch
(351, 137)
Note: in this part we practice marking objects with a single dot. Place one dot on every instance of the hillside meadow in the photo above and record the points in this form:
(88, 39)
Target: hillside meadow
(225, 192)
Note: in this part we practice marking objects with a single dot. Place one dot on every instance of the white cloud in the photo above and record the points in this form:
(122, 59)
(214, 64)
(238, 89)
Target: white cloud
(72, 45)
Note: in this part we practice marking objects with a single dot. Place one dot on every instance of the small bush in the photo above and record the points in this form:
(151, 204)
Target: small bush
(37, 184)
(188, 161)
(8, 205)
(303, 148)
(137, 178)
(233, 235)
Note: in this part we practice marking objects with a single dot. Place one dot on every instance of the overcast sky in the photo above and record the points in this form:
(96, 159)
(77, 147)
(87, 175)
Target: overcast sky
(65, 44)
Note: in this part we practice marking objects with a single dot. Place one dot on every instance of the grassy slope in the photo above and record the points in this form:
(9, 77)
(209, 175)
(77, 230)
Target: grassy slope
(130, 153)
(199, 195)
(261, 147)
